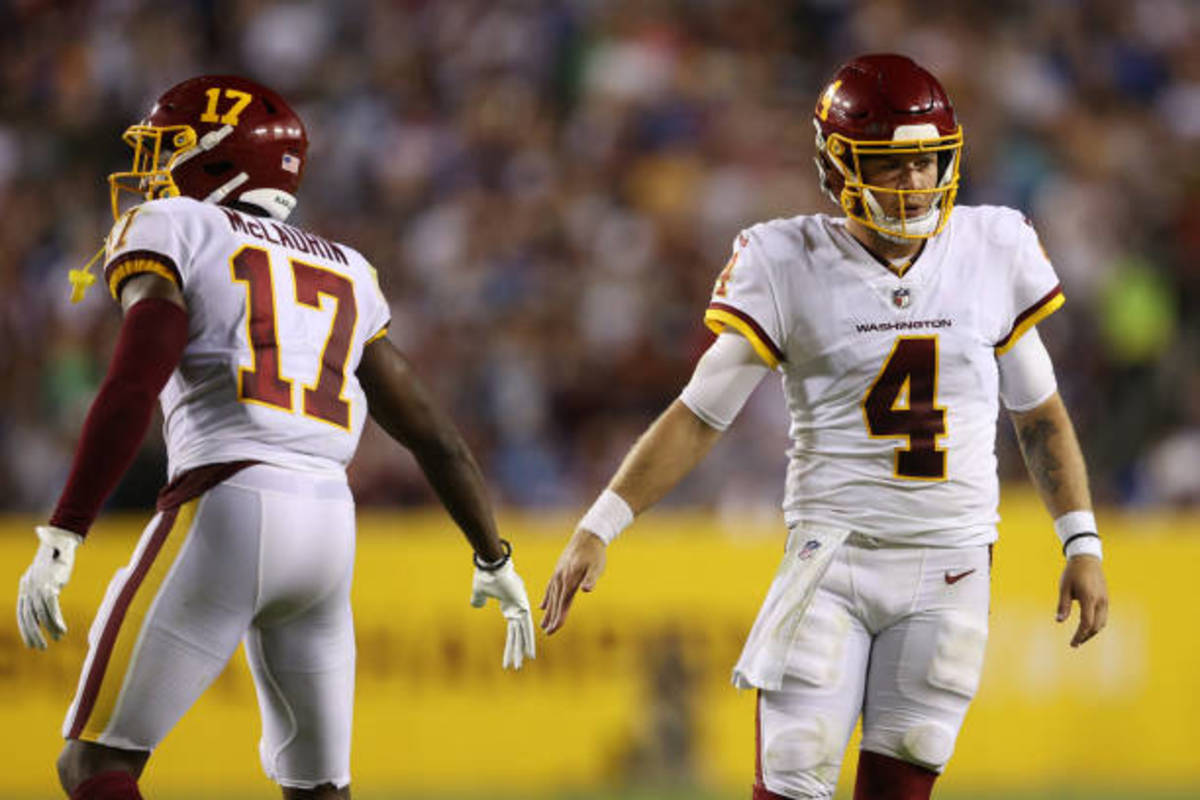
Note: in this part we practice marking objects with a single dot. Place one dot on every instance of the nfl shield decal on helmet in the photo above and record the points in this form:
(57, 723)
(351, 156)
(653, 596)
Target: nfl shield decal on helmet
(901, 297)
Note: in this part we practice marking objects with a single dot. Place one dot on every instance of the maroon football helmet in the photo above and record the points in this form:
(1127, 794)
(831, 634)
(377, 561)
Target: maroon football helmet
(220, 139)
(886, 105)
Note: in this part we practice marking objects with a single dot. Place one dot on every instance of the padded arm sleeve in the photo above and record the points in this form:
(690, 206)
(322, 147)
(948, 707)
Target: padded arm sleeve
(723, 379)
(149, 348)
(1026, 374)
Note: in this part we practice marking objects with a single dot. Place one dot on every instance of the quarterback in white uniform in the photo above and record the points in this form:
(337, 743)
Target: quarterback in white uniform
(267, 347)
(896, 329)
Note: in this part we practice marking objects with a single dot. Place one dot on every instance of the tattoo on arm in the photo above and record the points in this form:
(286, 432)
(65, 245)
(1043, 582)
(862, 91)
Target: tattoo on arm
(1044, 466)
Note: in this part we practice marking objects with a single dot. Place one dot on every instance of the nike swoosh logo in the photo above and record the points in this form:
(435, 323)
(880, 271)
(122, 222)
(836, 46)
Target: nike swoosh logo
(956, 578)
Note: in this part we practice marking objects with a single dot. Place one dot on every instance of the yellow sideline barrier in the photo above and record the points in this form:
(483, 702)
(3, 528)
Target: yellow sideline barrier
(635, 688)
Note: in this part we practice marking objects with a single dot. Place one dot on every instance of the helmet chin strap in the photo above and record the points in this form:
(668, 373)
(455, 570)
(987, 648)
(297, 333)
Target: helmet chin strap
(207, 142)
(221, 192)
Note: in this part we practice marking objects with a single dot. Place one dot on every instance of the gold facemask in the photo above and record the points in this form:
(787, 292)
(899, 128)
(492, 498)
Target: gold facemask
(149, 178)
(156, 151)
(860, 201)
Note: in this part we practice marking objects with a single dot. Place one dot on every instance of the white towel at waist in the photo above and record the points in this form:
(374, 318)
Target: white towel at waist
(810, 550)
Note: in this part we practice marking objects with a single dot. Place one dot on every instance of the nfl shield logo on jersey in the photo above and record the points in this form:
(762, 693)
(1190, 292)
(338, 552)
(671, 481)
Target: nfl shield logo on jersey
(900, 298)
(810, 547)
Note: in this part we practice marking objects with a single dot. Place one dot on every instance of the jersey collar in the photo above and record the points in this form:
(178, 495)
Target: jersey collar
(894, 270)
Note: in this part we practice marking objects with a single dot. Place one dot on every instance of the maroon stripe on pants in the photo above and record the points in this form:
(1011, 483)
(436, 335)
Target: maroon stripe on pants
(760, 791)
(112, 627)
(758, 738)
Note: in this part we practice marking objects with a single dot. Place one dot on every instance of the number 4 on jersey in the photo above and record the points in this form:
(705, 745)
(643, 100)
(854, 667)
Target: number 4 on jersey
(902, 403)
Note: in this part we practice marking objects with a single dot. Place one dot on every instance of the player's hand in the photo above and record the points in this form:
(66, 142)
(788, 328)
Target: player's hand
(1083, 582)
(579, 567)
(506, 586)
(37, 595)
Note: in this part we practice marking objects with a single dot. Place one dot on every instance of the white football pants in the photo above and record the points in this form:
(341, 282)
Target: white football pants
(265, 557)
(894, 634)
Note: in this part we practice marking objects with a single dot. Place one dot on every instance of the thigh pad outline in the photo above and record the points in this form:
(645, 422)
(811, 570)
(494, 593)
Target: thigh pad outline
(957, 662)
(819, 649)
(803, 757)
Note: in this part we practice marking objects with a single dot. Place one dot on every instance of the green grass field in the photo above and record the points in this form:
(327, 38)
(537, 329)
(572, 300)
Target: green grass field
(699, 794)
(1063, 793)
(1035, 795)
(1042, 794)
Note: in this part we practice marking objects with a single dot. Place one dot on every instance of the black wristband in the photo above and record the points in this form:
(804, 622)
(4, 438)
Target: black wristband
(1077, 536)
(492, 567)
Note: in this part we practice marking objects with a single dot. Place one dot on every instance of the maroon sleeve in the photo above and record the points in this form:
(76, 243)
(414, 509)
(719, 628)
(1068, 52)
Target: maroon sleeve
(150, 345)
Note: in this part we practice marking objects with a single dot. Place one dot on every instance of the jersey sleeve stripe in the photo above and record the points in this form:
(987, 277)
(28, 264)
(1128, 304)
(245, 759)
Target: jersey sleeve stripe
(720, 316)
(1051, 302)
(137, 262)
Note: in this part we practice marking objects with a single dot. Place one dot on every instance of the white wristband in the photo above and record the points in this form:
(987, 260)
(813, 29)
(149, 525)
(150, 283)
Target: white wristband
(1078, 533)
(608, 516)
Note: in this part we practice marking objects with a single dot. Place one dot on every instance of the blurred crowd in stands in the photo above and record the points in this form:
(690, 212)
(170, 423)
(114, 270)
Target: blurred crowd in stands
(549, 187)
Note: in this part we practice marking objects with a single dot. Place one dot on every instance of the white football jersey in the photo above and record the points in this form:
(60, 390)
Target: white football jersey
(278, 319)
(891, 382)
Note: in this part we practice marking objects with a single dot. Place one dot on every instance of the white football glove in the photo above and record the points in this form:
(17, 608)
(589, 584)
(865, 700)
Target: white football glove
(506, 585)
(37, 596)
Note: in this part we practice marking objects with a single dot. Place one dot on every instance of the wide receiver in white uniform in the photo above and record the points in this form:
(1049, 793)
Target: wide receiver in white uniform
(895, 330)
(267, 348)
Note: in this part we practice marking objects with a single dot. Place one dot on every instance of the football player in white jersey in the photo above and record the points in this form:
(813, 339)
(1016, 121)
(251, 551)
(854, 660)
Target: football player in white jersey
(267, 347)
(895, 329)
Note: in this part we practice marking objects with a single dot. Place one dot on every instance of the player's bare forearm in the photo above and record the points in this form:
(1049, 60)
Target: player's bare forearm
(1053, 457)
(1056, 466)
(403, 407)
(456, 478)
(669, 449)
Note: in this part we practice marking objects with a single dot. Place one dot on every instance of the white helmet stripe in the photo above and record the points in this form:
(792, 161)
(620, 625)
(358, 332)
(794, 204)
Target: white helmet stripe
(908, 133)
